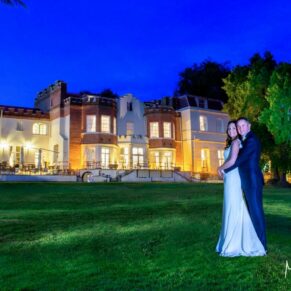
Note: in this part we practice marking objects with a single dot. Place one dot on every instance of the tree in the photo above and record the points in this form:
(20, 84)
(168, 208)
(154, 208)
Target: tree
(13, 2)
(277, 117)
(247, 87)
(108, 93)
(204, 80)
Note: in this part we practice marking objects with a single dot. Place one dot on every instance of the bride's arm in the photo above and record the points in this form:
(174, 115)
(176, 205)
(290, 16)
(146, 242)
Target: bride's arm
(233, 155)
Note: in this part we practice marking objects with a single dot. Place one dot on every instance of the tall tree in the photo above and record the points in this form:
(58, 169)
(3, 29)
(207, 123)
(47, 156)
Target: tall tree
(13, 2)
(277, 117)
(204, 79)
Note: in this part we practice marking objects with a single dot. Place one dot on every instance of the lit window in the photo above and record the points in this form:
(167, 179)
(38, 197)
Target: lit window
(56, 154)
(156, 160)
(129, 128)
(124, 156)
(91, 123)
(205, 160)
(39, 128)
(220, 157)
(137, 157)
(154, 129)
(167, 130)
(174, 135)
(114, 125)
(167, 160)
(105, 123)
(105, 153)
(203, 123)
(42, 129)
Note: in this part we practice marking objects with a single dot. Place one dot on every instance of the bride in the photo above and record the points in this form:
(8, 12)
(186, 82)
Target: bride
(237, 236)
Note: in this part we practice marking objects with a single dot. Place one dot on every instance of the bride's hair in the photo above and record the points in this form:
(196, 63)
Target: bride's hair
(229, 140)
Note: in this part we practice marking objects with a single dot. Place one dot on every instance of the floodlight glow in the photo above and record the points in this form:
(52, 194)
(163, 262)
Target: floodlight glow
(3, 144)
(28, 145)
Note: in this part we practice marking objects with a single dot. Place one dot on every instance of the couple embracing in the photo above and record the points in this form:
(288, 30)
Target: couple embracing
(243, 223)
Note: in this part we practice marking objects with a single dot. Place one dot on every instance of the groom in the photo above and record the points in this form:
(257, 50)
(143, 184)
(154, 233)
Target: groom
(252, 180)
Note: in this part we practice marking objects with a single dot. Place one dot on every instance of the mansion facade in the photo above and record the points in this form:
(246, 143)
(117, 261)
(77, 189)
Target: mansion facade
(88, 131)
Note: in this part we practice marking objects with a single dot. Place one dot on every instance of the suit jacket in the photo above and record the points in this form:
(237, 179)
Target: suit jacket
(248, 162)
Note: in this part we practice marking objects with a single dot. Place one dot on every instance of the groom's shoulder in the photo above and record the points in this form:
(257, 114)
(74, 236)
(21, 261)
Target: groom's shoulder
(252, 138)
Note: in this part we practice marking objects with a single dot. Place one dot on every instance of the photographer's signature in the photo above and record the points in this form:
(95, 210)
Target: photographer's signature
(287, 269)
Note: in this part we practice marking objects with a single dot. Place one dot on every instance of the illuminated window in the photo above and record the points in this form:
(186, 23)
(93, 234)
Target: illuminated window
(205, 160)
(203, 123)
(42, 129)
(105, 154)
(167, 129)
(114, 125)
(167, 160)
(124, 158)
(154, 129)
(37, 160)
(220, 157)
(174, 133)
(137, 157)
(39, 128)
(129, 128)
(56, 154)
(157, 160)
(18, 155)
(105, 123)
(91, 123)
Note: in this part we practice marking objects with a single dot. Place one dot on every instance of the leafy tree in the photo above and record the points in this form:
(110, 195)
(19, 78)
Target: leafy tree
(13, 2)
(277, 117)
(247, 87)
(204, 79)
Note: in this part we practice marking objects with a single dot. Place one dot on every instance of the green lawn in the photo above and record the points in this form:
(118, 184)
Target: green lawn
(132, 237)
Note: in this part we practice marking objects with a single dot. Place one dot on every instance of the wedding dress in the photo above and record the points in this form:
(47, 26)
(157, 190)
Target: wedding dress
(238, 236)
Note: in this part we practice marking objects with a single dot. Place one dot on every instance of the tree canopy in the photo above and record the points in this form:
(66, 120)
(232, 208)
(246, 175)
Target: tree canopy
(204, 79)
(261, 91)
(13, 2)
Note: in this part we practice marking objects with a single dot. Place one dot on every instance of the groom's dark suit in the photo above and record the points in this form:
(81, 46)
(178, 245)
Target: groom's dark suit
(252, 182)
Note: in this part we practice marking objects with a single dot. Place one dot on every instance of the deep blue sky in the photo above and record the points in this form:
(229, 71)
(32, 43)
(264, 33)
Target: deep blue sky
(136, 46)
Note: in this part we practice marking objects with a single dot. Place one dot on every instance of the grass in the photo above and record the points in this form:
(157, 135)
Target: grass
(132, 237)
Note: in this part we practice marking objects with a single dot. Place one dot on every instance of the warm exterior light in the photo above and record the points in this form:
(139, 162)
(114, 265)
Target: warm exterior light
(3, 145)
(28, 145)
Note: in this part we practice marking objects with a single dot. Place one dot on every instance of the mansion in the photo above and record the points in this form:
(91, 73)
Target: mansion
(87, 131)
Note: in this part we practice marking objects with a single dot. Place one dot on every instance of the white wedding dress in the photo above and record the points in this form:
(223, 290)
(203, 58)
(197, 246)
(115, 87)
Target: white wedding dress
(238, 236)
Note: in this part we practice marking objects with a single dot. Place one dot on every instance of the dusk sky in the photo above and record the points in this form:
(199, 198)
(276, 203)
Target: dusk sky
(136, 47)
